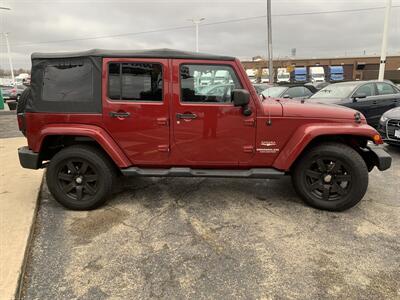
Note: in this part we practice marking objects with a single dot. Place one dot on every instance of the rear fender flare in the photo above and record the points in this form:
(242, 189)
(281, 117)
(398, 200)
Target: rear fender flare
(307, 133)
(94, 132)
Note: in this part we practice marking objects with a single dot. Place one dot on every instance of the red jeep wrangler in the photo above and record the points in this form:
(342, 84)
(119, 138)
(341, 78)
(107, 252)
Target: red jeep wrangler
(90, 116)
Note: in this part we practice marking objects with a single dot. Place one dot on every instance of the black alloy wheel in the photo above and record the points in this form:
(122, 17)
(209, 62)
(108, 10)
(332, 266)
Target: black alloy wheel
(330, 176)
(81, 177)
(328, 179)
(78, 178)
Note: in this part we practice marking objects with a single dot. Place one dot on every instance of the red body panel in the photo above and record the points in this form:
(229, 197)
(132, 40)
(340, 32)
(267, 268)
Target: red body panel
(221, 136)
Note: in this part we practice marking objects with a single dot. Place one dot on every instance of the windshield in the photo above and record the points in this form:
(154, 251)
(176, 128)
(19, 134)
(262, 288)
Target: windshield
(274, 91)
(283, 75)
(335, 91)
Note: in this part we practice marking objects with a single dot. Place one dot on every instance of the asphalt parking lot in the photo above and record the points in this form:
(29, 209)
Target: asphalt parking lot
(176, 238)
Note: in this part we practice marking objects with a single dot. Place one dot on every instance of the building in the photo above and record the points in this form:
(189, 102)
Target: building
(355, 68)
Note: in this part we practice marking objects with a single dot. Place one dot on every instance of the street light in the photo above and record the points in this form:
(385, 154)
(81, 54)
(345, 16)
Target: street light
(269, 32)
(196, 23)
(8, 49)
(384, 40)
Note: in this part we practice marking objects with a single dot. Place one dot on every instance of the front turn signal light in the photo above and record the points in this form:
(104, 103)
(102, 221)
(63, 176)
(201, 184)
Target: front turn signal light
(377, 139)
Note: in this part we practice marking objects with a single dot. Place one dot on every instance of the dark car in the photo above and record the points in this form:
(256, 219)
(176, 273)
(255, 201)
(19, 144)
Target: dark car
(371, 98)
(389, 126)
(292, 92)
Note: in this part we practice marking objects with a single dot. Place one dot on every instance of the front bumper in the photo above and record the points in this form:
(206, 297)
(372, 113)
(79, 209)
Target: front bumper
(29, 159)
(381, 158)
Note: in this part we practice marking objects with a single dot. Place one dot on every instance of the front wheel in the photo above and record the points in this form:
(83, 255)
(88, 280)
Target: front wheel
(80, 177)
(331, 176)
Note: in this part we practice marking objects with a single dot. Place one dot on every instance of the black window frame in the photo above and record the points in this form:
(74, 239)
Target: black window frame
(120, 87)
(242, 86)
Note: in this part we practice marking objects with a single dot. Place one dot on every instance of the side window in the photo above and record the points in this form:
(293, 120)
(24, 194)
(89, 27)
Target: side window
(208, 83)
(385, 89)
(295, 92)
(367, 89)
(135, 81)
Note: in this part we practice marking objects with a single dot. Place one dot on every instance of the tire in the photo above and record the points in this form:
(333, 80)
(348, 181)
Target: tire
(23, 100)
(80, 177)
(331, 176)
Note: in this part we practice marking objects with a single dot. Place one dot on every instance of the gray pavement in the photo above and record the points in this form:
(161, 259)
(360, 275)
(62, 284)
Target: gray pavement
(9, 125)
(180, 238)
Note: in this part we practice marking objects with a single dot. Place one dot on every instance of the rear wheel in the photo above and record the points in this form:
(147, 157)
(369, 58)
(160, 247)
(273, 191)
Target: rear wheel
(80, 177)
(331, 176)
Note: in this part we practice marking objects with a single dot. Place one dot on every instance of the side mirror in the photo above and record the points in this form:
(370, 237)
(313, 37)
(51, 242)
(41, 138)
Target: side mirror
(241, 97)
(359, 96)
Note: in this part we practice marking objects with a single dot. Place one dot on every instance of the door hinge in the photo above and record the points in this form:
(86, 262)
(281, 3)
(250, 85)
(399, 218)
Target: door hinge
(163, 148)
(249, 122)
(248, 149)
(162, 121)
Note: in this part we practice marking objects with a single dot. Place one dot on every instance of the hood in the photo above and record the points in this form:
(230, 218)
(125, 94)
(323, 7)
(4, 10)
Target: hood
(293, 108)
(394, 113)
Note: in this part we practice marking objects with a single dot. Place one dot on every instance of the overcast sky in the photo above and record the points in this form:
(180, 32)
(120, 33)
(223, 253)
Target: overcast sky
(60, 25)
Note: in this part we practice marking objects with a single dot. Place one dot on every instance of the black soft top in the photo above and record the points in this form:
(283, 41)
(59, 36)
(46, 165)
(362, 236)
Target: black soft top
(156, 53)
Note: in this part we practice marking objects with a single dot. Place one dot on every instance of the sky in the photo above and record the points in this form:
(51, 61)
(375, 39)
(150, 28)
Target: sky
(67, 25)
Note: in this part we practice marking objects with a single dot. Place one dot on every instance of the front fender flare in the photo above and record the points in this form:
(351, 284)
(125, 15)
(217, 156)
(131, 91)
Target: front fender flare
(308, 132)
(94, 132)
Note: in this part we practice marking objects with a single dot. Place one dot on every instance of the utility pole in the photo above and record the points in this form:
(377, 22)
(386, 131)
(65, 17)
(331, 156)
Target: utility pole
(196, 23)
(8, 48)
(9, 57)
(269, 33)
(384, 40)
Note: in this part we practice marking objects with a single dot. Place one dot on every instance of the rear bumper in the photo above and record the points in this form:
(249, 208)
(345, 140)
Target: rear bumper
(383, 160)
(28, 159)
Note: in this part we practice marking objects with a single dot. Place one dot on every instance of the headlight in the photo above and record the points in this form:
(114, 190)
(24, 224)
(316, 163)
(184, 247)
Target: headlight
(383, 119)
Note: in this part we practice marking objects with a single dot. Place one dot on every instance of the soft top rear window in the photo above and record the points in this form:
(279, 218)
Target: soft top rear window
(68, 82)
(70, 85)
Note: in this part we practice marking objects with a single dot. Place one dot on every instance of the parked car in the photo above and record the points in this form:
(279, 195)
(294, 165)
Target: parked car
(389, 126)
(292, 92)
(13, 92)
(141, 113)
(371, 98)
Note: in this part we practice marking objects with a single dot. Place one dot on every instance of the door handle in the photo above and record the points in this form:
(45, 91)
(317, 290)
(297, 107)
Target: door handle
(187, 116)
(374, 102)
(119, 114)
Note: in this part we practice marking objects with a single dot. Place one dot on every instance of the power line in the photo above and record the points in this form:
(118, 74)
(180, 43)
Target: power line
(204, 24)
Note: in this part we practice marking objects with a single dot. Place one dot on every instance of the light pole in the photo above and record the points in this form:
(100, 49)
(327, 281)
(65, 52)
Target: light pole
(269, 33)
(196, 23)
(8, 49)
(384, 40)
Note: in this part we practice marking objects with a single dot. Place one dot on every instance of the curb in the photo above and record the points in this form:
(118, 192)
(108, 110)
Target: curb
(20, 284)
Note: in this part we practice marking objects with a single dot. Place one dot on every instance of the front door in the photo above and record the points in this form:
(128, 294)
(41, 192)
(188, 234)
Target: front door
(136, 107)
(207, 128)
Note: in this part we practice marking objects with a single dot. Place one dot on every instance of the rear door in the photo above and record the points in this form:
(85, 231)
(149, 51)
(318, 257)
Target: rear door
(207, 128)
(136, 107)
(389, 96)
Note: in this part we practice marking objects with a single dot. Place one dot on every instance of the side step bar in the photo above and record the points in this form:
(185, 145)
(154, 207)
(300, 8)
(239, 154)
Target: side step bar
(188, 172)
